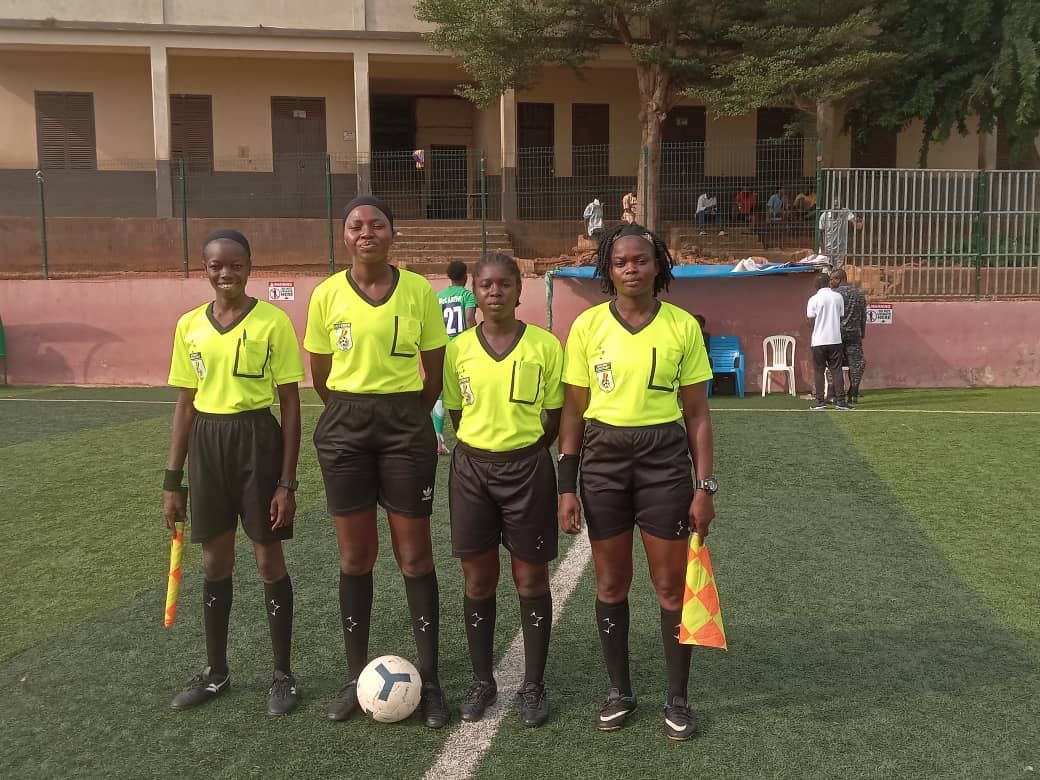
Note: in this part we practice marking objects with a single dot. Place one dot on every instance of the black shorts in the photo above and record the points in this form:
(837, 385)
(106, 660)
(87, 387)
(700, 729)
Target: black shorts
(636, 476)
(234, 461)
(503, 496)
(377, 449)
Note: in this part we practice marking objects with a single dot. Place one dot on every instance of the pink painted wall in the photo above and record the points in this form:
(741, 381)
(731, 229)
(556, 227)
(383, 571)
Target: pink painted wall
(119, 331)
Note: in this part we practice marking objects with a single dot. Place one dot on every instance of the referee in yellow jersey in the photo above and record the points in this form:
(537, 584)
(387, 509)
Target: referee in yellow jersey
(625, 361)
(230, 356)
(368, 328)
(499, 379)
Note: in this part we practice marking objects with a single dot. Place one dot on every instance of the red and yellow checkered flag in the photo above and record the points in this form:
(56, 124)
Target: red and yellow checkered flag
(173, 580)
(701, 615)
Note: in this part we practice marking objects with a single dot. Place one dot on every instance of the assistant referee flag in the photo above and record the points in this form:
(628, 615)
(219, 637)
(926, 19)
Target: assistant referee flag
(701, 614)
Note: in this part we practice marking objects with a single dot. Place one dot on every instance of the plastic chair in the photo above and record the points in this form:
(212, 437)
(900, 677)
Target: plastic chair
(777, 361)
(827, 380)
(726, 357)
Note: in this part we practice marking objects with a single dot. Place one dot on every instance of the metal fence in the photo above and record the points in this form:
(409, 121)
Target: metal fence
(930, 234)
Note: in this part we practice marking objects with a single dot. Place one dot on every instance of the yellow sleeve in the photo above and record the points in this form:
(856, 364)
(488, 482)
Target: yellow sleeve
(433, 332)
(451, 394)
(182, 373)
(695, 365)
(575, 362)
(552, 387)
(316, 336)
(286, 365)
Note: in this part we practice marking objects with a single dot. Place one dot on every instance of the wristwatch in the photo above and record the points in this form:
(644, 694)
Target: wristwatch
(708, 485)
(288, 484)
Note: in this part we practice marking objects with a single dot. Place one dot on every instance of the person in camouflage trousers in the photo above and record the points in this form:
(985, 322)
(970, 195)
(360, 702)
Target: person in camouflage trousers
(853, 329)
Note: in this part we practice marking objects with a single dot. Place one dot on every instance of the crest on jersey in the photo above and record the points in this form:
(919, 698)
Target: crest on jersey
(604, 377)
(343, 338)
(467, 390)
(198, 363)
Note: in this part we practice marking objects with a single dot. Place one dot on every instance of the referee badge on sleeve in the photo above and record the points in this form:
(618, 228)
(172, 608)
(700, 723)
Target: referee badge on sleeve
(198, 363)
(467, 390)
(604, 377)
(343, 338)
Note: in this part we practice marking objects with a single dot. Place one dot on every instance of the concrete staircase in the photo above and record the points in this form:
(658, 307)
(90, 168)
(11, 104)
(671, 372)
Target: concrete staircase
(428, 245)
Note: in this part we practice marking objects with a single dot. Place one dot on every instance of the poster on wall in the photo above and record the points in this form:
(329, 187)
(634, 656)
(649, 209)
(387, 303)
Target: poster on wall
(879, 313)
(281, 291)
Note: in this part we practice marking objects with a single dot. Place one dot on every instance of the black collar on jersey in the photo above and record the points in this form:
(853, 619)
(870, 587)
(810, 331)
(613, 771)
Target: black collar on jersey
(396, 277)
(235, 323)
(498, 358)
(624, 323)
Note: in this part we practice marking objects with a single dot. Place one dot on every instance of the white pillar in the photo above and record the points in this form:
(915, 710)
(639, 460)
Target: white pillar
(362, 122)
(161, 130)
(507, 125)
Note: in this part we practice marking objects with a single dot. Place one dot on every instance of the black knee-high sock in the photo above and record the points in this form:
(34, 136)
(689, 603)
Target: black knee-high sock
(278, 601)
(216, 613)
(480, 635)
(424, 604)
(676, 656)
(536, 621)
(612, 624)
(355, 610)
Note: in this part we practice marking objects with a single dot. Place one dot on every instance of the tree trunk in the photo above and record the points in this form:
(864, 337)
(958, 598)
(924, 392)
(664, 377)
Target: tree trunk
(657, 94)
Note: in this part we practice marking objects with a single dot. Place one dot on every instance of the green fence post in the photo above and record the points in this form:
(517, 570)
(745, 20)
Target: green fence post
(3, 349)
(548, 299)
(43, 225)
(980, 213)
(483, 203)
(328, 212)
(646, 186)
(184, 213)
(819, 194)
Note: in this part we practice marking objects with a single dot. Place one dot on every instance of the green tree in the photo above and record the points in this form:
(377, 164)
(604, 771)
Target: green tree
(962, 58)
(674, 45)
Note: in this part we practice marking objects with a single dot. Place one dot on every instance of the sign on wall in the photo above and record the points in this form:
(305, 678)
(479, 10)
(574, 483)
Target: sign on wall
(879, 313)
(281, 291)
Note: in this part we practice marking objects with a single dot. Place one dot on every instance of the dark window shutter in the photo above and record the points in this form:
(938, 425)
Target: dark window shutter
(65, 131)
(191, 131)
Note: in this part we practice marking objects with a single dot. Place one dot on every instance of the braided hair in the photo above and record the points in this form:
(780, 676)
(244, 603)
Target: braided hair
(661, 254)
(502, 259)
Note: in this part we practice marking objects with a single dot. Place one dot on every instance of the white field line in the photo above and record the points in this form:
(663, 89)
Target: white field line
(858, 410)
(469, 741)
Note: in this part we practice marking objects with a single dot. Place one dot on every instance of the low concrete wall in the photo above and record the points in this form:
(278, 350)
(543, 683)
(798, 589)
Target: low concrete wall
(119, 332)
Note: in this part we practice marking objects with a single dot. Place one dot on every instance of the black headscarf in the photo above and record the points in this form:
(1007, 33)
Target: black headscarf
(228, 235)
(374, 202)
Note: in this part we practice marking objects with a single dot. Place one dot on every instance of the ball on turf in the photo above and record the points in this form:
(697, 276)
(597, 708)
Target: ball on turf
(388, 688)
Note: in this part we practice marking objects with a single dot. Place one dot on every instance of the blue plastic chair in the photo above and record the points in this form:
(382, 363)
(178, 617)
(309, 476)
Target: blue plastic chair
(726, 357)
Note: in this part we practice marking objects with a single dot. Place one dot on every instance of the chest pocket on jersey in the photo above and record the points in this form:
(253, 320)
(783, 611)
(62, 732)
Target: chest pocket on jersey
(664, 370)
(407, 331)
(526, 382)
(251, 359)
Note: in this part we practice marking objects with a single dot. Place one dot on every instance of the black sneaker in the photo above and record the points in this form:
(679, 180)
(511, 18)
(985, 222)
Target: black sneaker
(679, 721)
(534, 705)
(201, 688)
(615, 711)
(479, 697)
(281, 696)
(433, 706)
(345, 705)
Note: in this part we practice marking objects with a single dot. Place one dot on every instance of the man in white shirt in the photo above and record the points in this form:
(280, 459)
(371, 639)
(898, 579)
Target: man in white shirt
(593, 218)
(825, 311)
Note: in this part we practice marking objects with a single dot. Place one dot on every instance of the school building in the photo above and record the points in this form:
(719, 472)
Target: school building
(257, 97)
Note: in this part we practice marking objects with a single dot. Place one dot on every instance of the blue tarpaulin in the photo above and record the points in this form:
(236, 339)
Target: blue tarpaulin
(691, 271)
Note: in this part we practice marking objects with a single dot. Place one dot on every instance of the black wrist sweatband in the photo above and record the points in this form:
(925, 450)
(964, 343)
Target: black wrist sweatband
(172, 479)
(567, 474)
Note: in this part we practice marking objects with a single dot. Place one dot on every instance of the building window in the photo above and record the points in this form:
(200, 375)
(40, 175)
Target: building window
(590, 139)
(65, 131)
(191, 131)
(874, 147)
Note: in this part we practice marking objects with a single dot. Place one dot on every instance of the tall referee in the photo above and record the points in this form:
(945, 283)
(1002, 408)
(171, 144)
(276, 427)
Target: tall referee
(368, 328)
(229, 358)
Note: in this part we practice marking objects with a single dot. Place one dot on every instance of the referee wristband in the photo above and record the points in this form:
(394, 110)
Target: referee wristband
(172, 479)
(567, 474)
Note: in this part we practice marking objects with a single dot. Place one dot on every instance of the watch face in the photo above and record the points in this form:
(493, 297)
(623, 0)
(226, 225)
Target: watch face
(710, 484)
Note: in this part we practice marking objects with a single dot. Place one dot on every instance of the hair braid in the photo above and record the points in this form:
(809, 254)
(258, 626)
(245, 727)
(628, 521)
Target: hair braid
(664, 258)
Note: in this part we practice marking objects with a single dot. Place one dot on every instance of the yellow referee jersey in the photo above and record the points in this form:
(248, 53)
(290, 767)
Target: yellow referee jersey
(235, 369)
(633, 374)
(374, 344)
(502, 396)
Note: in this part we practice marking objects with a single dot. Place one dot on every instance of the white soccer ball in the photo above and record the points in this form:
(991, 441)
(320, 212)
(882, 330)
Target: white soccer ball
(388, 688)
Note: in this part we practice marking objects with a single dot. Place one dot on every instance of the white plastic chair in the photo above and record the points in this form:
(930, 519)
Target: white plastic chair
(778, 360)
